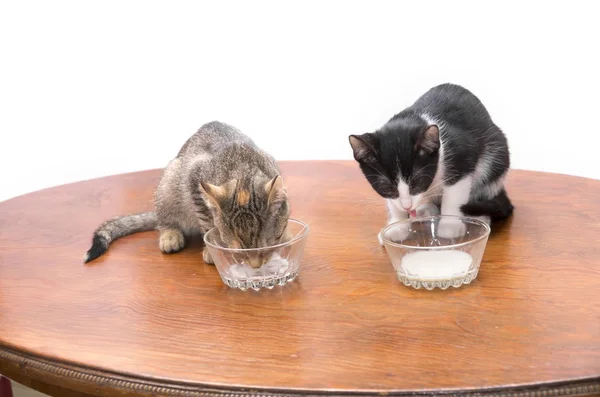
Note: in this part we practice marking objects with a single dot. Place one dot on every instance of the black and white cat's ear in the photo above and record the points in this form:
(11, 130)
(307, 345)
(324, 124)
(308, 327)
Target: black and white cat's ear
(276, 191)
(429, 141)
(363, 146)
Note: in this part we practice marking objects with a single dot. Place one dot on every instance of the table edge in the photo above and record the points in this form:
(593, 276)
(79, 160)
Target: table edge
(23, 367)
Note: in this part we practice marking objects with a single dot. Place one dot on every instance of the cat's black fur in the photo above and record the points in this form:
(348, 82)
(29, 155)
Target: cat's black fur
(408, 147)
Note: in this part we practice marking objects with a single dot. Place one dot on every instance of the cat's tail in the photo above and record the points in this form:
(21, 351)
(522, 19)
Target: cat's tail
(497, 208)
(116, 228)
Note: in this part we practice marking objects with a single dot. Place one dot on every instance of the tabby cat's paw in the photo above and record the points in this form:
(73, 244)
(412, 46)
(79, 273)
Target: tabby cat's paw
(171, 240)
(206, 256)
(451, 228)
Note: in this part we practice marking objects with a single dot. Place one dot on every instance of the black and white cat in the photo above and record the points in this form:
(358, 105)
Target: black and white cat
(444, 152)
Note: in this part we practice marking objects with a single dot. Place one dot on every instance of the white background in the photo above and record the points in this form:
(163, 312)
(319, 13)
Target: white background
(92, 88)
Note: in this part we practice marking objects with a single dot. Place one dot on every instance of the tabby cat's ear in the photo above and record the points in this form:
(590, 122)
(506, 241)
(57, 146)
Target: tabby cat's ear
(429, 141)
(363, 146)
(276, 190)
(217, 194)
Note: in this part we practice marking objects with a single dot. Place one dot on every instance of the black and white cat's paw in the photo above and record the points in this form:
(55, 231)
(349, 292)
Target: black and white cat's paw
(396, 234)
(451, 228)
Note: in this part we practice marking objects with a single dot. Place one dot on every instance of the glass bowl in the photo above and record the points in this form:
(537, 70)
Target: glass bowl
(436, 251)
(280, 263)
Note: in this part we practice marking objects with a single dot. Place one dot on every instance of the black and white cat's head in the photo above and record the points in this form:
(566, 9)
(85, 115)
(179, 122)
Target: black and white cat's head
(400, 160)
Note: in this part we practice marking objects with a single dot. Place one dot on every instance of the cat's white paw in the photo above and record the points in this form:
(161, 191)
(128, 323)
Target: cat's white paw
(397, 233)
(451, 228)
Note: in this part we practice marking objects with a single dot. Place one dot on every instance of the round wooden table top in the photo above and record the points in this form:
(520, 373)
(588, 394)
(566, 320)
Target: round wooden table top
(138, 322)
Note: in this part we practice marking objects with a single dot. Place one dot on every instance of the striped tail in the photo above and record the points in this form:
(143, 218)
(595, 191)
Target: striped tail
(119, 227)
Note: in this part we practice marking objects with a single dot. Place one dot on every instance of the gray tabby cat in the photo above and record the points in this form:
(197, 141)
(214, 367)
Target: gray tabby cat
(220, 178)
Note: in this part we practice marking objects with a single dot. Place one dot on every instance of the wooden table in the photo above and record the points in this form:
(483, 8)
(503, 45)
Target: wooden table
(137, 322)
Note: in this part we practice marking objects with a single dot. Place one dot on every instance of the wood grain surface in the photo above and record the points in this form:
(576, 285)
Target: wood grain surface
(138, 322)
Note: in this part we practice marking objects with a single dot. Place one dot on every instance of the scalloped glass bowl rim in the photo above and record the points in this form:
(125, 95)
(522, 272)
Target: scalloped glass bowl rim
(464, 219)
(300, 236)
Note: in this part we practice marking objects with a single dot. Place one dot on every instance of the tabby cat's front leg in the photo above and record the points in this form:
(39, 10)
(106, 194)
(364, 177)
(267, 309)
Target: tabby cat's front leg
(171, 240)
(206, 256)
(205, 227)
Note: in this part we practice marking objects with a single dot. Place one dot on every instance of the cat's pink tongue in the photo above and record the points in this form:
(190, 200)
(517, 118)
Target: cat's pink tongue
(413, 213)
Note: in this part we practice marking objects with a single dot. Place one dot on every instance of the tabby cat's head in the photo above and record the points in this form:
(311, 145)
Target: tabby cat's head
(250, 213)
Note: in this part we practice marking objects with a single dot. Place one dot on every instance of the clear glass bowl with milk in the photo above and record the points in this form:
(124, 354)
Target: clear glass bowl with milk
(258, 268)
(437, 251)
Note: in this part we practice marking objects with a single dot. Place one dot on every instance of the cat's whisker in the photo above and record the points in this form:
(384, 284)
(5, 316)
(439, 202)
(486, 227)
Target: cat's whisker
(380, 174)
(421, 170)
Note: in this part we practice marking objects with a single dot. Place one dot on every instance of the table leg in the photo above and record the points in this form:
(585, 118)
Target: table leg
(5, 387)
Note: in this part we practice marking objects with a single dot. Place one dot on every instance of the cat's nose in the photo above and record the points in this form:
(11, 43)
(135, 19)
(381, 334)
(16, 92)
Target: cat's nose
(406, 203)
